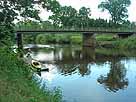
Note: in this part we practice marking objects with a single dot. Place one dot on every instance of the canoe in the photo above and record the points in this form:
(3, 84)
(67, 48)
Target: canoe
(36, 64)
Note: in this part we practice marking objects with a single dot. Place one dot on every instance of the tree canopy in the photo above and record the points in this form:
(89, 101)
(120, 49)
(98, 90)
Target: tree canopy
(14, 9)
(117, 9)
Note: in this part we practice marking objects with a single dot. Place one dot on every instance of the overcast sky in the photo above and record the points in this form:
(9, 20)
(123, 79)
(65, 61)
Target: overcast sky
(93, 5)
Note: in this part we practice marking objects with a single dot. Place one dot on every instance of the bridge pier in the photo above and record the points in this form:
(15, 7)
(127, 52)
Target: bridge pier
(19, 41)
(89, 40)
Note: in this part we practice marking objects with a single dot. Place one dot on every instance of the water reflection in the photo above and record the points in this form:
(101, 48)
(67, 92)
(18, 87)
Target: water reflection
(69, 69)
(85, 70)
(116, 78)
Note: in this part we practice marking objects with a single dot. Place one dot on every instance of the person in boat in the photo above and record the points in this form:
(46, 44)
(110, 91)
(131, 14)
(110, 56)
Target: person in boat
(36, 65)
(29, 52)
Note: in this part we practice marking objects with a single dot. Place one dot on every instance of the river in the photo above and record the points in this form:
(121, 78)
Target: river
(88, 75)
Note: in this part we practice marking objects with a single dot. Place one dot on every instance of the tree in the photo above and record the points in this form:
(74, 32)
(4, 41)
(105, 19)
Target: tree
(83, 15)
(64, 17)
(54, 7)
(10, 10)
(117, 9)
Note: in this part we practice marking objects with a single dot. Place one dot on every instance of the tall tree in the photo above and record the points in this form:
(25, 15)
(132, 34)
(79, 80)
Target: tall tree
(12, 9)
(65, 16)
(83, 15)
(117, 9)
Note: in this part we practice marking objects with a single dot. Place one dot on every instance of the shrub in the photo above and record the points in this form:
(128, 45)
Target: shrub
(76, 39)
(41, 39)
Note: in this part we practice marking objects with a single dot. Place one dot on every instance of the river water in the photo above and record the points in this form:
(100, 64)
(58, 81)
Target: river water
(88, 75)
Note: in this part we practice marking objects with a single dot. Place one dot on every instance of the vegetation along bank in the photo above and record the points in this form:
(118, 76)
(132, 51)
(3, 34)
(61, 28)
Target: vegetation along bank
(17, 84)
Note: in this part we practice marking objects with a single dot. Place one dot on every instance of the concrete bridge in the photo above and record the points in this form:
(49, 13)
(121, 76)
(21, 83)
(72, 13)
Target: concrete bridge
(88, 35)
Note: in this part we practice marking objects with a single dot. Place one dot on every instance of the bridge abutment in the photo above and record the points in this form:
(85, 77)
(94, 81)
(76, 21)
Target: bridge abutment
(89, 40)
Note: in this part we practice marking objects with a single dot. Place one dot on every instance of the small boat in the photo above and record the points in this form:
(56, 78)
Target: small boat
(36, 64)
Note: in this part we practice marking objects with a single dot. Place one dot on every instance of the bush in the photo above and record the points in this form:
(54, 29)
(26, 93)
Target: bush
(105, 37)
(76, 39)
(41, 39)
(129, 43)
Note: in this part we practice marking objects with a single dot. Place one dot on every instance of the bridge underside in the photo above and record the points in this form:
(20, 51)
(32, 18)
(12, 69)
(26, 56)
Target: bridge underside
(88, 36)
(124, 35)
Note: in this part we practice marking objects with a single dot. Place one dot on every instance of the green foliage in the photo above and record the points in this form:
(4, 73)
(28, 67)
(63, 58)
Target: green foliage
(64, 16)
(41, 39)
(105, 37)
(76, 39)
(59, 39)
(63, 38)
(128, 43)
(51, 38)
(83, 17)
(117, 9)
(27, 25)
(10, 10)
(6, 35)
(16, 84)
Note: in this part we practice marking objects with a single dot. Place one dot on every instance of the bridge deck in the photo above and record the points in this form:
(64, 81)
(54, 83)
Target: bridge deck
(73, 31)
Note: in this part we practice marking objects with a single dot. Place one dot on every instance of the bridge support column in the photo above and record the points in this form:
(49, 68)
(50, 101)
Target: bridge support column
(19, 41)
(89, 40)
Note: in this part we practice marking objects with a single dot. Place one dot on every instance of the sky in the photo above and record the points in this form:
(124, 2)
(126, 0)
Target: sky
(93, 5)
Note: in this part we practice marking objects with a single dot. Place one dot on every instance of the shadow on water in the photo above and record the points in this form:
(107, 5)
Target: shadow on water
(71, 66)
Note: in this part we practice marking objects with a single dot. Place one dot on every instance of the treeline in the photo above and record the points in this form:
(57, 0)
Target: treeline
(67, 17)
(91, 24)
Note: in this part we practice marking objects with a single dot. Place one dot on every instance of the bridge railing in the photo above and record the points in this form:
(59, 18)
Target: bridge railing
(77, 29)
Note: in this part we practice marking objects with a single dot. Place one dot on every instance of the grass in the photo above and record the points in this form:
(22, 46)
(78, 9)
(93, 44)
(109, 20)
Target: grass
(16, 84)
(105, 37)
(111, 41)
(77, 39)
(128, 43)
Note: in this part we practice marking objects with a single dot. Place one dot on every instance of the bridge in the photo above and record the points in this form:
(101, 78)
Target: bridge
(88, 35)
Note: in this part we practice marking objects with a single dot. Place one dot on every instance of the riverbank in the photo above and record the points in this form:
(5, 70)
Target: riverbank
(118, 43)
(17, 85)
(102, 40)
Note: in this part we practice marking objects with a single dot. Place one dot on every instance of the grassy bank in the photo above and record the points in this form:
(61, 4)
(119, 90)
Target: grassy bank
(127, 43)
(16, 84)
(111, 41)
